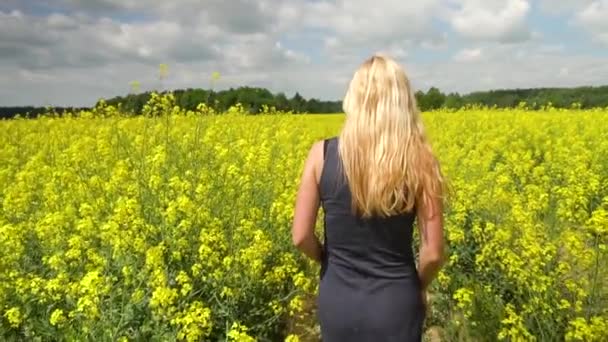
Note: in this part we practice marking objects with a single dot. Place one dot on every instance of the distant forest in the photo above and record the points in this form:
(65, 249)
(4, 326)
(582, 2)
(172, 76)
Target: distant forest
(253, 99)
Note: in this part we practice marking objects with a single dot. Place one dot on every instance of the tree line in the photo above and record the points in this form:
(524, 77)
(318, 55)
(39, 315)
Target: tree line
(535, 98)
(254, 99)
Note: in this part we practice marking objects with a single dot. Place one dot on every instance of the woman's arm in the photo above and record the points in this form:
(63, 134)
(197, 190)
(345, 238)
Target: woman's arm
(307, 206)
(430, 224)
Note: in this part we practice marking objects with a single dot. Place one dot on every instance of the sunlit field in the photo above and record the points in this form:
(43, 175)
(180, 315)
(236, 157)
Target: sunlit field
(176, 226)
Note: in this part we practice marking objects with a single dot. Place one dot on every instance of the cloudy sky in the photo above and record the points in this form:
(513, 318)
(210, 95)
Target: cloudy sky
(72, 52)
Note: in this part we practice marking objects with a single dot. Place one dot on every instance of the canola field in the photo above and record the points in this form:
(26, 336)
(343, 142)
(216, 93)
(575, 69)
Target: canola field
(176, 226)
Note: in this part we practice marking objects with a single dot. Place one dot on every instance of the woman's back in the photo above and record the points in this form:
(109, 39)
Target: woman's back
(369, 285)
(375, 247)
(373, 181)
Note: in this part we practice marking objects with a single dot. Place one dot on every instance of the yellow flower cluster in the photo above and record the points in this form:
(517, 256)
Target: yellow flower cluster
(238, 333)
(175, 225)
(526, 223)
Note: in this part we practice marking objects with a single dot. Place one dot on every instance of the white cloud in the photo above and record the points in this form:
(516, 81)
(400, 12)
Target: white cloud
(87, 49)
(355, 28)
(492, 20)
(513, 66)
(590, 15)
(468, 55)
(234, 16)
(58, 41)
(386, 18)
(71, 52)
(594, 18)
(562, 6)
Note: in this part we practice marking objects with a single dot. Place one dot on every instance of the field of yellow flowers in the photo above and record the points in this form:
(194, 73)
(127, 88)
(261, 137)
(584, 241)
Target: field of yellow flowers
(176, 225)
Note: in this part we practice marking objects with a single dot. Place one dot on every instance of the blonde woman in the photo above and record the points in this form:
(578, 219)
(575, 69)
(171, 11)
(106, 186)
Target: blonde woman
(373, 181)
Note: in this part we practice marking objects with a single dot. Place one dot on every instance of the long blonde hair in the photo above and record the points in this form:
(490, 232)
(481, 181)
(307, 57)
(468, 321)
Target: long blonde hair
(386, 158)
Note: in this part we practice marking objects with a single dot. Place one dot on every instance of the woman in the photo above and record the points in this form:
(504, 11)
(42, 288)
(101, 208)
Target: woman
(373, 181)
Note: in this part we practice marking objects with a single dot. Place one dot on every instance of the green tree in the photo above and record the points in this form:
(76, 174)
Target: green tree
(434, 99)
(453, 100)
(297, 102)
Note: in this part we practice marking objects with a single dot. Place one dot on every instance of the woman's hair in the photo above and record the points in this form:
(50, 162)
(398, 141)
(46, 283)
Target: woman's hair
(386, 158)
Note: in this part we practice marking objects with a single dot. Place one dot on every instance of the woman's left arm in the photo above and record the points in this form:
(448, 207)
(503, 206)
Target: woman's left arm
(307, 206)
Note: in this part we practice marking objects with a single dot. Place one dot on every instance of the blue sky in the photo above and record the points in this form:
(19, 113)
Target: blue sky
(73, 52)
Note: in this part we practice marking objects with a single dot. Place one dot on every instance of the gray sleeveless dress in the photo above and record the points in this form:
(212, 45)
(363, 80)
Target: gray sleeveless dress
(369, 288)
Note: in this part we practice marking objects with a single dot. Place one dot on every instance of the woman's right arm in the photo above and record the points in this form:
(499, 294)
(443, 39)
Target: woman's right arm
(431, 256)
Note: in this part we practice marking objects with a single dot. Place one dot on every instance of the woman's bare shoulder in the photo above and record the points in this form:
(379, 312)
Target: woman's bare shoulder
(315, 158)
